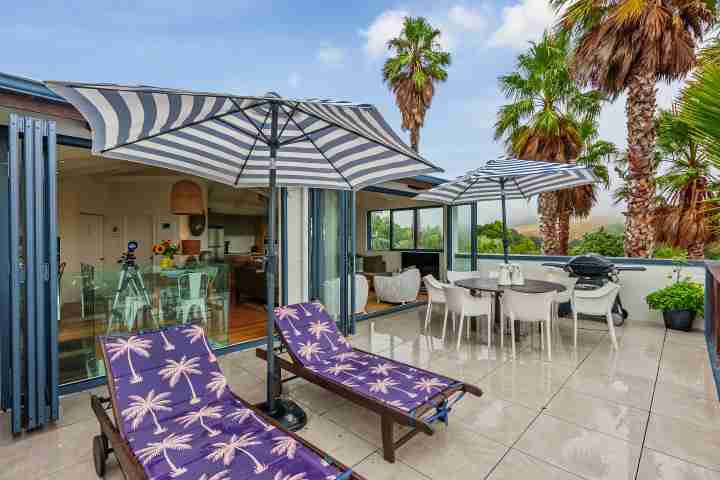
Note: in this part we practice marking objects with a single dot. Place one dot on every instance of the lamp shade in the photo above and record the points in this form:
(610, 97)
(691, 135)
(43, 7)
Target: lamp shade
(186, 198)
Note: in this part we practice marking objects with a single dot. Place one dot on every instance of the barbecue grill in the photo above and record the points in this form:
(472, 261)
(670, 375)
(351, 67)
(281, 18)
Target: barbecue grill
(593, 271)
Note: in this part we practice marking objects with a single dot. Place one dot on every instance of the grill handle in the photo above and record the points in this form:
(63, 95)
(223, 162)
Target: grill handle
(630, 269)
(555, 264)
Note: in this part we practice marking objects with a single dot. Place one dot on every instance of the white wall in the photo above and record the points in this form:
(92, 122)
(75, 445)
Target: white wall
(635, 285)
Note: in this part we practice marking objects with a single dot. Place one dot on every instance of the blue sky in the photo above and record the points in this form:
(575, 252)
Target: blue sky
(308, 48)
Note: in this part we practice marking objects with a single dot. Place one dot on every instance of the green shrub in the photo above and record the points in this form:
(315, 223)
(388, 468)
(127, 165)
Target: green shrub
(684, 295)
(601, 242)
(668, 251)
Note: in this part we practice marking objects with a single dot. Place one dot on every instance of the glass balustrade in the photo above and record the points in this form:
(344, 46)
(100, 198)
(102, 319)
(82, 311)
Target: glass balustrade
(107, 300)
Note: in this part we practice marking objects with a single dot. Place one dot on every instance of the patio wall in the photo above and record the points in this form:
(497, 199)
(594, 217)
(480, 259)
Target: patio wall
(635, 285)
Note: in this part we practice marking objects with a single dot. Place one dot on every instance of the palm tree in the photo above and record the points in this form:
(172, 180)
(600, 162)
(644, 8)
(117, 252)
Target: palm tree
(171, 442)
(225, 451)
(417, 65)
(174, 370)
(242, 414)
(544, 119)
(350, 357)
(279, 475)
(195, 333)
(321, 328)
(221, 475)
(384, 385)
(700, 101)
(578, 201)
(627, 46)
(198, 416)
(134, 344)
(290, 314)
(427, 385)
(217, 384)
(345, 368)
(688, 186)
(139, 407)
(285, 445)
(309, 350)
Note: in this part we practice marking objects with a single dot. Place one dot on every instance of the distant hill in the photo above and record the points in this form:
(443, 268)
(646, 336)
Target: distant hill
(578, 228)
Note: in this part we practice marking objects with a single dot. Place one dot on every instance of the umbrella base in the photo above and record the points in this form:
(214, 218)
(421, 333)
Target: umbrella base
(287, 413)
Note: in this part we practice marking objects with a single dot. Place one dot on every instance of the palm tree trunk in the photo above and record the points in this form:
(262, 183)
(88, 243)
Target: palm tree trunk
(639, 228)
(563, 229)
(696, 250)
(415, 138)
(547, 213)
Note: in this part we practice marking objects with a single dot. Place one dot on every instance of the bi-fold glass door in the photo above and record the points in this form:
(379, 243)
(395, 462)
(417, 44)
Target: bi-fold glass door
(332, 254)
(29, 273)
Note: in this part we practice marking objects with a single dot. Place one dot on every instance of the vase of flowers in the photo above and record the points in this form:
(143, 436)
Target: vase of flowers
(168, 250)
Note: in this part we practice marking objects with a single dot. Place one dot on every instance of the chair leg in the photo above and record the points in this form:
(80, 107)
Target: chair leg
(467, 328)
(386, 427)
(611, 329)
(462, 320)
(445, 323)
(512, 335)
(575, 328)
(548, 327)
(502, 330)
(427, 313)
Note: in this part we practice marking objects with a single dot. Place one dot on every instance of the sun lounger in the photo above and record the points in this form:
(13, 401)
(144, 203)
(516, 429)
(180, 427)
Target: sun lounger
(175, 417)
(399, 393)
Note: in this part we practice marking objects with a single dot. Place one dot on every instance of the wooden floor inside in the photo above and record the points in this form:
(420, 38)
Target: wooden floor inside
(374, 306)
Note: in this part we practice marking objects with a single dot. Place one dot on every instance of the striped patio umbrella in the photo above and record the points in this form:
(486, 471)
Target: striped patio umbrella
(508, 178)
(246, 141)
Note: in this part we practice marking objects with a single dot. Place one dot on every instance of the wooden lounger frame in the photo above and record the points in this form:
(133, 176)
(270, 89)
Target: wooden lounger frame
(111, 441)
(389, 415)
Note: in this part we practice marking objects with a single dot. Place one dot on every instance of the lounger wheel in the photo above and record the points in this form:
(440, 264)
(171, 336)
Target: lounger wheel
(100, 454)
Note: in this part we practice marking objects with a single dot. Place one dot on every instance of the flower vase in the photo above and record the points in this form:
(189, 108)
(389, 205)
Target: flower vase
(166, 263)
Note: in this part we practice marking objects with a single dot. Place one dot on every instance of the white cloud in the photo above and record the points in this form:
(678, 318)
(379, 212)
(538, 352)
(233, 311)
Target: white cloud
(467, 18)
(386, 26)
(459, 20)
(294, 80)
(330, 55)
(523, 22)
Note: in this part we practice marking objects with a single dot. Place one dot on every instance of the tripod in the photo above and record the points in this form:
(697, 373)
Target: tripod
(132, 282)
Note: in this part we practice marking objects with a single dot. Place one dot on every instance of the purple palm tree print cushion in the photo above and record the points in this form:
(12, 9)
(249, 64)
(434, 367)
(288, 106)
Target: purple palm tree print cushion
(314, 340)
(174, 408)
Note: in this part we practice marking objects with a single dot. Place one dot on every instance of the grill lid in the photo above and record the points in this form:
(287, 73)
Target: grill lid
(590, 264)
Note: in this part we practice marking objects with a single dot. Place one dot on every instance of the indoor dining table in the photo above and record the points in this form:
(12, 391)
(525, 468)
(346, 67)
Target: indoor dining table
(490, 285)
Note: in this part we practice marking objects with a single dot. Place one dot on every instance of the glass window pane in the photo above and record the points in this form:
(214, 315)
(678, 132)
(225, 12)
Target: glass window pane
(403, 225)
(380, 230)
(430, 228)
(461, 217)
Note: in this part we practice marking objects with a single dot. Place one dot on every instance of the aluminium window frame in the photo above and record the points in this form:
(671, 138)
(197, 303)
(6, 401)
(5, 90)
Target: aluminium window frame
(416, 230)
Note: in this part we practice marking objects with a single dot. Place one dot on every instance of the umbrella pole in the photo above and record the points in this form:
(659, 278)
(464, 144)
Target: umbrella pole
(286, 412)
(505, 240)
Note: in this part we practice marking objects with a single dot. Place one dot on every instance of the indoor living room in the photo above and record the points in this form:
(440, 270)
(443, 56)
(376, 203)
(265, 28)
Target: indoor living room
(399, 241)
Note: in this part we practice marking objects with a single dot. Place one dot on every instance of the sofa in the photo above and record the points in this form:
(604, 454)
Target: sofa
(401, 288)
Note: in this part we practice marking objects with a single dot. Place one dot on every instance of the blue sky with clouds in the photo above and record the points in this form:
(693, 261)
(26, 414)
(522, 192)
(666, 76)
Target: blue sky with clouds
(308, 48)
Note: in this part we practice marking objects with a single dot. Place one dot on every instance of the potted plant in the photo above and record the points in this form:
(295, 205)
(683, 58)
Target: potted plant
(679, 302)
(167, 250)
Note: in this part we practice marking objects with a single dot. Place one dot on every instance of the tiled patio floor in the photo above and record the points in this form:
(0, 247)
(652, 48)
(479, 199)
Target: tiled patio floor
(648, 411)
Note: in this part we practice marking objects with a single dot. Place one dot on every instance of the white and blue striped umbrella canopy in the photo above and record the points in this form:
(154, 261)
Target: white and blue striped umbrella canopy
(521, 178)
(225, 138)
